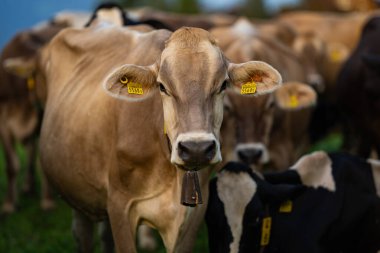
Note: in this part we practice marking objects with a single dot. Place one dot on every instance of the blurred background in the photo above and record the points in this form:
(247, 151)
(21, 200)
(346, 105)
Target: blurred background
(29, 229)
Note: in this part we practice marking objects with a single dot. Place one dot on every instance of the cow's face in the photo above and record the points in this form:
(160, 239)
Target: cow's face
(192, 76)
(311, 50)
(254, 116)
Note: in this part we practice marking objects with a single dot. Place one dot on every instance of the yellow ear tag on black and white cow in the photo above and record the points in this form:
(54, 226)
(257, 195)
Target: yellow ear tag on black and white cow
(286, 207)
(265, 231)
(293, 101)
(248, 88)
(133, 88)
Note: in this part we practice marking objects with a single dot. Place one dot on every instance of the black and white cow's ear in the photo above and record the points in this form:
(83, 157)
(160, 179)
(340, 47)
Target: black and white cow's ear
(295, 96)
(277, 193)
(131, 82)
(253, 78)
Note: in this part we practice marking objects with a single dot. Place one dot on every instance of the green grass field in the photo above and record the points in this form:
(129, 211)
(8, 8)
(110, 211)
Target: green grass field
(30, 230)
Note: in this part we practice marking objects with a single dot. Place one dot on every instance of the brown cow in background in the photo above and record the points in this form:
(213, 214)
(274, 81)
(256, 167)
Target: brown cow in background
(276, 131)
(19, 111)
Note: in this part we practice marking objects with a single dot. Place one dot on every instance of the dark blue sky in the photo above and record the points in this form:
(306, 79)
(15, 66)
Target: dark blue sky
(17, 15)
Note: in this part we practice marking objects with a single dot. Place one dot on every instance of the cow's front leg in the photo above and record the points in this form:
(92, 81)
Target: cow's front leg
(12, 167)
(123, 224)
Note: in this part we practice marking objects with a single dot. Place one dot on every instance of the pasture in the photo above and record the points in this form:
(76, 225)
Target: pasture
(30, 230)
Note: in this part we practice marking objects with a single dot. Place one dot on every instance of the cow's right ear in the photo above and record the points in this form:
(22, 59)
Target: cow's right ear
(20, 66)
(253, 78)
(131, 82)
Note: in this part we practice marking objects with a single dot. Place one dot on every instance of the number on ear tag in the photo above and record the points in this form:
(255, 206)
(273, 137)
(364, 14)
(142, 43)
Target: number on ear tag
(293, 101)
(248, 88)
(135, 88)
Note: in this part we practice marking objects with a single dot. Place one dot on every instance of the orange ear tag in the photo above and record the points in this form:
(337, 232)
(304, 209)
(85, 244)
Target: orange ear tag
(248, 88)
(293, 101)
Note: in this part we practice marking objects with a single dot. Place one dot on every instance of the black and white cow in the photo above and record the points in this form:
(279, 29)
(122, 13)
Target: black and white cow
(113, 13)
(338, 210)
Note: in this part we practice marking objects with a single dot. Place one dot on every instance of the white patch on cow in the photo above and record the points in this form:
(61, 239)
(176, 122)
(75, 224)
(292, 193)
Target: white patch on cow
(112, 15)
(257, 146)
(375, 164)
(244, 27)
(315, 170)
(235, 190)
(195, 137)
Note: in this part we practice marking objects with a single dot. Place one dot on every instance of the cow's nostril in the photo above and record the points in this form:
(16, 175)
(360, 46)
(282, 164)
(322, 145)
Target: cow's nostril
(197, 153)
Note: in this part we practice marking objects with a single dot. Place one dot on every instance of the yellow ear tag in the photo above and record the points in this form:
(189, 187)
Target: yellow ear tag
(293, 101)
(265, 231)
(336, 56)
(248, 88)
(31, 83)
(165, 132)
(286, 207)
(135, 88)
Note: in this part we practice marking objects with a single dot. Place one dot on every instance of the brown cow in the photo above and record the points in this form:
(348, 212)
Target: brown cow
(110, 158)
(247, 133)
(18, 112)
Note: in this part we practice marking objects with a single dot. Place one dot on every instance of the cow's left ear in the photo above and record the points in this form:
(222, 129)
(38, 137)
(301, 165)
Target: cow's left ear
(295, 96)
(20, 66)
(253, 78)
(131, 82)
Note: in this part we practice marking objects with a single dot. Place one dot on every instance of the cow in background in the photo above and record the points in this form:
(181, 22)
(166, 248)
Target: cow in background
(358, 93)
(277, 131)
(20, 113)
(324, 203)
(327, 47)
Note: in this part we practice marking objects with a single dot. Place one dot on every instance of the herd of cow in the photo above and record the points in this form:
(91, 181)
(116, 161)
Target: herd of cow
(127, 108)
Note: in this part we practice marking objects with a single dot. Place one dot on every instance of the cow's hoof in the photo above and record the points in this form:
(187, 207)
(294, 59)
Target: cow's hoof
(47, 204)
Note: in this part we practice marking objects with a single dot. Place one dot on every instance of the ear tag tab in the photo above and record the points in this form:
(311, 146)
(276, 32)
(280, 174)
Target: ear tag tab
(133, 88)
(248, 88)
(293, 101)
(265, 231)
(286, 207)
(336, 56)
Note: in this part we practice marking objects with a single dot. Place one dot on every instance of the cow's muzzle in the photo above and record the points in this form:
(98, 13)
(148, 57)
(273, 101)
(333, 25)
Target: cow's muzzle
(194, 151)
(252, 153)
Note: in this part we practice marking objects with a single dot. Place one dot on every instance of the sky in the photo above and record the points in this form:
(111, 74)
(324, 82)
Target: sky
(17, 15)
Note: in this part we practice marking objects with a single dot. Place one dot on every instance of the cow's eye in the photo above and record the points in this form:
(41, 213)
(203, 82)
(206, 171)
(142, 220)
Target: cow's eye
(163, 89)
(223, 87)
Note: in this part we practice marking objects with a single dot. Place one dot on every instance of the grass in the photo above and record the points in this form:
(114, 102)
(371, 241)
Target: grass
(30, 230)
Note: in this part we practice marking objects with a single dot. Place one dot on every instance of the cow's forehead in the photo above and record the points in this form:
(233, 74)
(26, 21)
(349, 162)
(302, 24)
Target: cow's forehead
(197, 61)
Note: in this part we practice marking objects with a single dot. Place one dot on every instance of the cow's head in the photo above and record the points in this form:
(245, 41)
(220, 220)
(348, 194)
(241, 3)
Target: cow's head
(311, 50)
(192, 76)
(254, 116)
